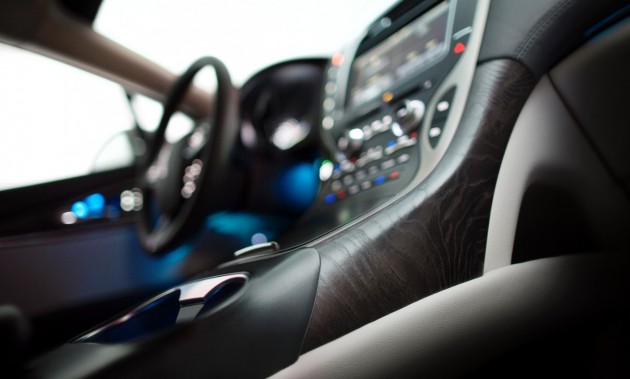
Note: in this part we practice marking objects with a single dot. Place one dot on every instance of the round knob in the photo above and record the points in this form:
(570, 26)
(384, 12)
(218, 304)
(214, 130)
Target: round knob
(355, 140)
(409, 114)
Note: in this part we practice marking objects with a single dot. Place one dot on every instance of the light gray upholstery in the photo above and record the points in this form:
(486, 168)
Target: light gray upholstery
(461, 328)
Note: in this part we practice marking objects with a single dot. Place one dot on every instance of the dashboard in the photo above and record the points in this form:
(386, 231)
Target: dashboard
(390, 105)
(392, 170)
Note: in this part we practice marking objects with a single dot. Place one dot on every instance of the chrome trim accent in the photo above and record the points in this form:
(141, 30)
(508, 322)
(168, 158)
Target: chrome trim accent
(191, 295)
(267, 247)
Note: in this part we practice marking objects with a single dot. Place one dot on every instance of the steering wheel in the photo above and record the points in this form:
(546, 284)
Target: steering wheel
(182, 182)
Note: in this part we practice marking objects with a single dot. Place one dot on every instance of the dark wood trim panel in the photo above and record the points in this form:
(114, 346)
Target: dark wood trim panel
(378, 266)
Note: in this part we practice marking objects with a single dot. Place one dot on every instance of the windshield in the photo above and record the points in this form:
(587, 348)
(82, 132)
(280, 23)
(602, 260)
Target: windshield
(247, 35)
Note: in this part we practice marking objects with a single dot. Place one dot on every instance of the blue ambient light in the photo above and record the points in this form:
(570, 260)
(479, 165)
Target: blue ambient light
(298, 185)
(80, 209)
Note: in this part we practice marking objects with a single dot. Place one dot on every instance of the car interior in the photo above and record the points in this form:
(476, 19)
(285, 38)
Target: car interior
(446, 195)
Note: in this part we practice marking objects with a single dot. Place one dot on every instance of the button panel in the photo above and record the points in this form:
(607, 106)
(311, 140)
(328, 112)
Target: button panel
(375, 143)
(440, 115)
(380, 170)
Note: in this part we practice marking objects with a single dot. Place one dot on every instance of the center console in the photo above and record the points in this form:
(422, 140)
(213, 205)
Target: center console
(391, 104)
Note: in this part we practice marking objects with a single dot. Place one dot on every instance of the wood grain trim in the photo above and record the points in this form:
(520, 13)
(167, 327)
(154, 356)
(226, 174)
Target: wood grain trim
(432, 238)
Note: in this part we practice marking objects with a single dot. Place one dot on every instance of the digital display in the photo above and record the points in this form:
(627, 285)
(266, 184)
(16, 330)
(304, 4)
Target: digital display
(407, 51)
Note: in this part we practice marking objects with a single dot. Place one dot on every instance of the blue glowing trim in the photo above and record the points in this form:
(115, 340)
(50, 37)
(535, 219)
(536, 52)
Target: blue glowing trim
(80, 209)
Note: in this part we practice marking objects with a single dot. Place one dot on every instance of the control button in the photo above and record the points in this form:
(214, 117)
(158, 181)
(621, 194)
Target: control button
(440, 115)
(379, 180)
(366, 185)
(331, 88)
(459, 48)
(329, 104)
(343, 143)
(373, 170)
(328, 122)
(397, 129)
(403, 142)
(373, 154)
(380, 126)
(388, 164)
(341, 195)
(406, 142)
(326, 170)
(387, 121)
(355, 139)
(347, 180)
(353, 190)
(337, 59)
(428, 84)
(409, 114)
(435, 132)
(377, 126)
(402, 112)
(361, 162)
(330, 198)
(336, 172)
(347, 166)
(367, 132)
(360, 175)
(403, 158)
(336, 186)
(443, 106)
(394, 175)
(377, 153)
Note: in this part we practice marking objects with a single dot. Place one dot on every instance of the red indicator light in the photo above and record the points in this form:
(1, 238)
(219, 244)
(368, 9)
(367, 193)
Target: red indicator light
(337, 59)
(459, 48)
(341, 195)
(394, 175)
(414, 135)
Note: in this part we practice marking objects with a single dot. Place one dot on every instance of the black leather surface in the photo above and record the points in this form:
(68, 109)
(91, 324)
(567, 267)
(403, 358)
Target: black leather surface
(255, 334)
(15, 332)
(594, 83)
(539, 33)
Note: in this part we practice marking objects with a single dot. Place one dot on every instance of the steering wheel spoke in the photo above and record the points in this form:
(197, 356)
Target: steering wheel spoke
(177, 173)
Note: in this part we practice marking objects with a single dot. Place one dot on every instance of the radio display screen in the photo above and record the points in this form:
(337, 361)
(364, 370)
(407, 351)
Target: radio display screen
(406, 52)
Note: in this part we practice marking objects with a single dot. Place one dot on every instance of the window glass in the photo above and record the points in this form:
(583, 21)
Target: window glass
(148, 113)
(57, 121)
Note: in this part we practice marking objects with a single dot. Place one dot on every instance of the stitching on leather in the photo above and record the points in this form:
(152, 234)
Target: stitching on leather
(541, 26)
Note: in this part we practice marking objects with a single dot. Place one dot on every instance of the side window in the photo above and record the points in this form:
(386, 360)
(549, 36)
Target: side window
(57, 121)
